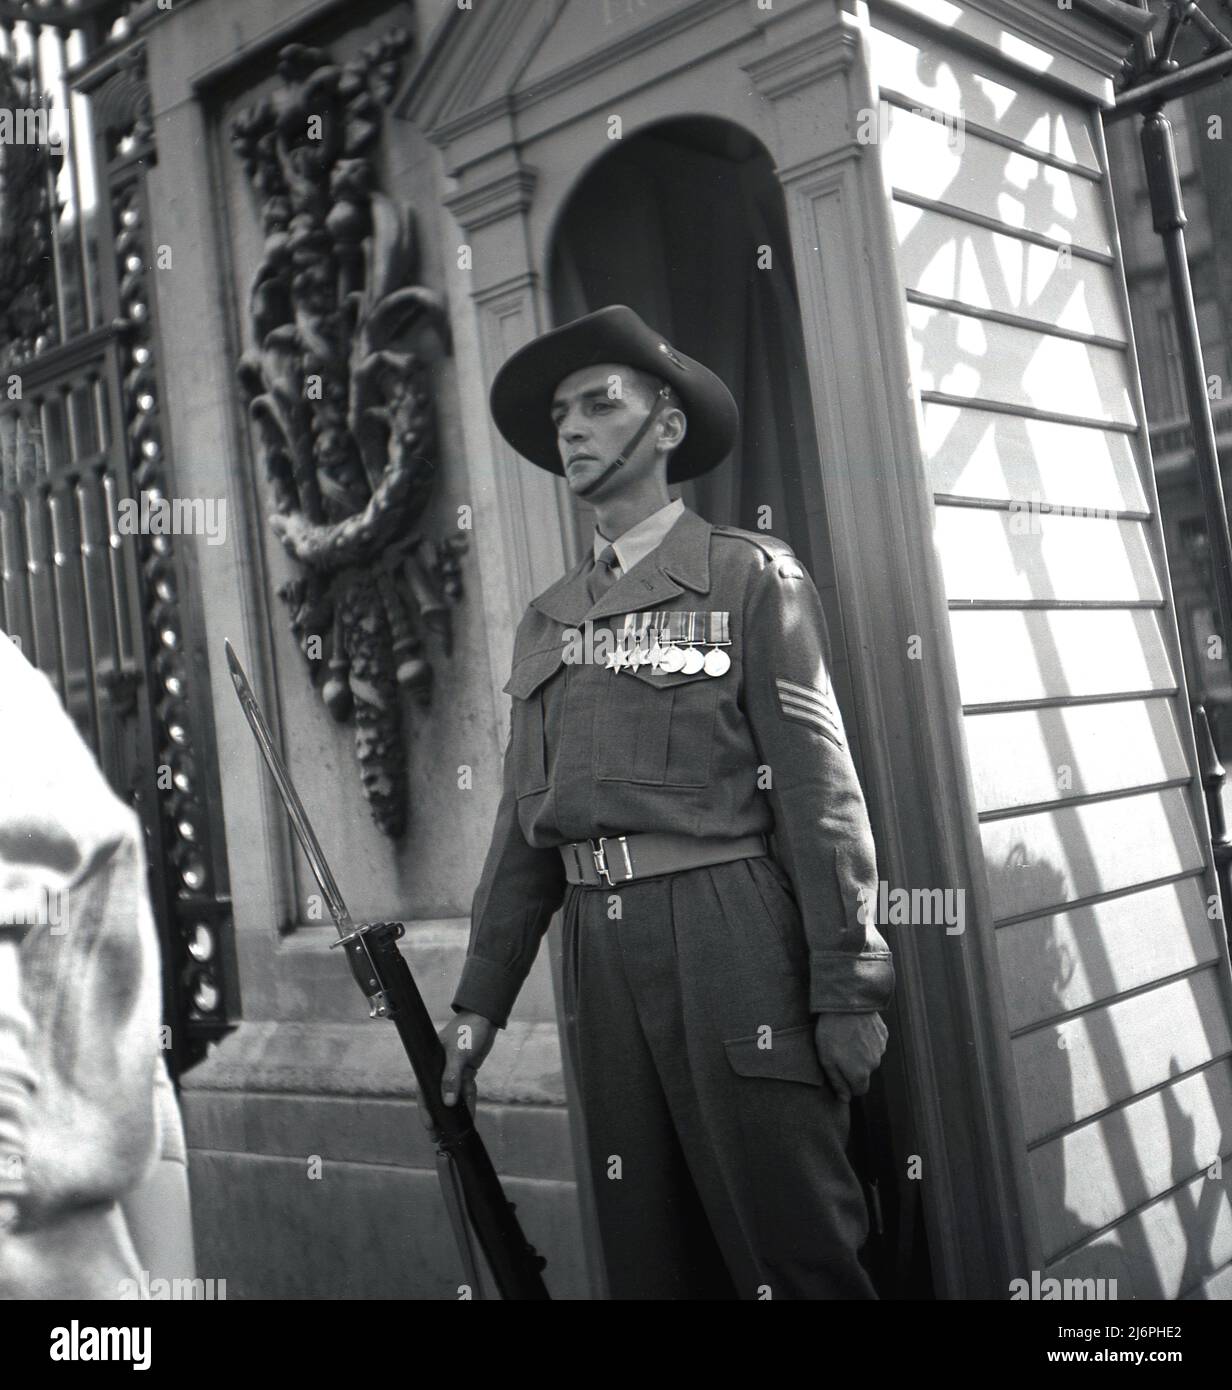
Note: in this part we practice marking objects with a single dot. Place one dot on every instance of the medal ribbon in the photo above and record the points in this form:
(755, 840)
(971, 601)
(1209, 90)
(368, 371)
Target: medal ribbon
(674, 627)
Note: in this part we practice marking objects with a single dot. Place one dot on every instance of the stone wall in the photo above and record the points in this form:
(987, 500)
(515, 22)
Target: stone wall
(311, 1173)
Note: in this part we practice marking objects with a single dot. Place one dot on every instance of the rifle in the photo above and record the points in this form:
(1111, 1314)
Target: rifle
(468, 1180)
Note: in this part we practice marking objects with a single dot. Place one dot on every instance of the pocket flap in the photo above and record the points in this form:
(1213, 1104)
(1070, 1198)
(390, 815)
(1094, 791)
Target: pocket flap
(790, 1056)
(664, 679)
(531, 672)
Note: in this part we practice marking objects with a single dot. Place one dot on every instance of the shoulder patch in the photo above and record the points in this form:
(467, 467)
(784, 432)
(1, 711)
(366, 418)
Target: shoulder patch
(788, 567)
(770, 546)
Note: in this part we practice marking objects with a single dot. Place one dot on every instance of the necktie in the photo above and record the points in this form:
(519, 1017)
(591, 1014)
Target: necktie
(602, 574)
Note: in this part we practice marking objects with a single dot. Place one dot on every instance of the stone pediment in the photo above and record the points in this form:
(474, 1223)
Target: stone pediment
(585, 28)
(502, 55)
(502, 52)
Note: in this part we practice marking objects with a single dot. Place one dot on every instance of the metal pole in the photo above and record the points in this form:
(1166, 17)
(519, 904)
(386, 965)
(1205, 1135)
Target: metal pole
(73, 153)
(1168, 214)
(1171, 85)
(50, 179)
(1213, 777)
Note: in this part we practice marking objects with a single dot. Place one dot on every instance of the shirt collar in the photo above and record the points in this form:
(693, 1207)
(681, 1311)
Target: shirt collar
(682, 561)
(638, 541)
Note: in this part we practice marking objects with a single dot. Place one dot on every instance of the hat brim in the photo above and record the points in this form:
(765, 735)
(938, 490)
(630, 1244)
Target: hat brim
(522, 391)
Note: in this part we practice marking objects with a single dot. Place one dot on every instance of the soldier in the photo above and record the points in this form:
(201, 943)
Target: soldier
(671, 710)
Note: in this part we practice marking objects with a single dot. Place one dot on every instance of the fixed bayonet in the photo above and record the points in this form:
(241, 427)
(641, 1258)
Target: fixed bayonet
(378, 1002)
(290, 797)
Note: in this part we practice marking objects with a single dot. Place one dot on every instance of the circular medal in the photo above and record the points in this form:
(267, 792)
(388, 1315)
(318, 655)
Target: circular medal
(716, 662)
(673, 659)
(693, 661)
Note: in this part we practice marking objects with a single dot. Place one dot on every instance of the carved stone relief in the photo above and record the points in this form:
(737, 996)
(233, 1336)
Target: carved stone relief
(339, 394)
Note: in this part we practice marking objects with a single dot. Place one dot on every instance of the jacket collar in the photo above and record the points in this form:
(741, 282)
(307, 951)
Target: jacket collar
(680, 561)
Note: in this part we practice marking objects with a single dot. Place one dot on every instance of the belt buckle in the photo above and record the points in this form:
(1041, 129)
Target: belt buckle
(599, 855)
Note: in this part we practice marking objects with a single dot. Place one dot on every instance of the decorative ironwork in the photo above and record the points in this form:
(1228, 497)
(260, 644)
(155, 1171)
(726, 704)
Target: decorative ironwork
(121, 107)
(1152, 73)
(28, 172)
(185, 831)
(339, 394)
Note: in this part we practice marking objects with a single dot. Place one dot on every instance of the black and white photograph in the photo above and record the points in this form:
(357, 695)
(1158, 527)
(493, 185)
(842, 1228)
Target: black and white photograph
(617, 679)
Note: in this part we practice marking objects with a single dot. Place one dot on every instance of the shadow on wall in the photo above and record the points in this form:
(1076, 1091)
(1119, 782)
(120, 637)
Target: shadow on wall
(1091, 1159)
(1108, 1131)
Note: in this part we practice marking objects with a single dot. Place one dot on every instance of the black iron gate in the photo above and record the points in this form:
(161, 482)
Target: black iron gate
(102, 602)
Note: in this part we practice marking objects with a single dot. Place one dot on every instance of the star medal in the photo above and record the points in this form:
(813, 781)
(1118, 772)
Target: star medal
(633, 642)
(616, 651)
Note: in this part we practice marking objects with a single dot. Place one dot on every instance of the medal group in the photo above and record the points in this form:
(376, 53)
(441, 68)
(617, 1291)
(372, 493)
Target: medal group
(672, 641)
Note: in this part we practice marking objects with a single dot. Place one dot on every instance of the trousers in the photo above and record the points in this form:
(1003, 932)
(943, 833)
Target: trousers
(717, 1147)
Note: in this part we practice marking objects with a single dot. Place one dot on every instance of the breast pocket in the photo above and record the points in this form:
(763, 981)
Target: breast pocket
(528, 729)
(656, 727)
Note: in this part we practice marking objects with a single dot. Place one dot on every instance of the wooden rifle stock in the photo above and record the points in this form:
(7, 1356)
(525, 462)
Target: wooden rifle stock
(383, 975)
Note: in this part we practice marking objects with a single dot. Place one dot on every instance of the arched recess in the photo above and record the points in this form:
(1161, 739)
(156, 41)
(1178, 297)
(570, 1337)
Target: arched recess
(685, 221)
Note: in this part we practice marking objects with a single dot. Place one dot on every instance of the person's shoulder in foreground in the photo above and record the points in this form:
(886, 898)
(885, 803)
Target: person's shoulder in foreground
(79, 1004)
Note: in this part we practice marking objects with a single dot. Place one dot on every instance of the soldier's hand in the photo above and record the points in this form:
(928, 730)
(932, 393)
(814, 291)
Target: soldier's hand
(849, 1048)
(467, 1040)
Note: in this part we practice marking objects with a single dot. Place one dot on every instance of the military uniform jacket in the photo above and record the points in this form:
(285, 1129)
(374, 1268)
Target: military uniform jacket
(759, 749)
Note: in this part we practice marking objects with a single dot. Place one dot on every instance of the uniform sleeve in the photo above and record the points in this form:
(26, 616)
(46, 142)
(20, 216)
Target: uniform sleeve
(519, 890)
(821, 822)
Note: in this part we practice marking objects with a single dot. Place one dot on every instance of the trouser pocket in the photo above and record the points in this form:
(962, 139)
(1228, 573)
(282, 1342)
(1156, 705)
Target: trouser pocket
(783, 1054)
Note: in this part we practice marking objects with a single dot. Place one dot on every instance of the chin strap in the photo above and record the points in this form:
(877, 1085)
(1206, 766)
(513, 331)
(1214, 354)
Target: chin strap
(623, 457)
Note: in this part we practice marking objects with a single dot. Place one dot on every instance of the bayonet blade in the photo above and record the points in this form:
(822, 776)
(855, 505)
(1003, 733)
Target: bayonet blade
(290, 797)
